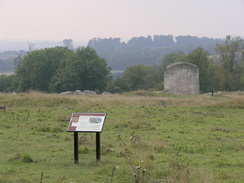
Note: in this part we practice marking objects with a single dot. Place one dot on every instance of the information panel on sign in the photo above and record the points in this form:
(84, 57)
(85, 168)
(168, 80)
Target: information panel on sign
(86, 122)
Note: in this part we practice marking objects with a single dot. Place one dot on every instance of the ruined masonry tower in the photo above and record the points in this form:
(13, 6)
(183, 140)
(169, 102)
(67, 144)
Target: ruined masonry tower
(182, 79)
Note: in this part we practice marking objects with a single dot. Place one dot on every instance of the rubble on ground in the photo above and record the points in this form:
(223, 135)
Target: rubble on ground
(85, 92)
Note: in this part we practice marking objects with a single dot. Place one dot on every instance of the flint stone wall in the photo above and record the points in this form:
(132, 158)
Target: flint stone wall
(182, 79)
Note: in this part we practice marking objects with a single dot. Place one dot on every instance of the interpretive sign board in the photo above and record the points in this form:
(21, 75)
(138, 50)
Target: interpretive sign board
(86, 122)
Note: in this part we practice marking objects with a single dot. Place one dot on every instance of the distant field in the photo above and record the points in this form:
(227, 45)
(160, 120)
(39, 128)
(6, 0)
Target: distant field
(8, 73)
(147, 137)
(117, 73)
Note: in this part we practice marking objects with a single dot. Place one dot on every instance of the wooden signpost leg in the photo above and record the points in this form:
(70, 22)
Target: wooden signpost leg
(98, 146)
(76, 148)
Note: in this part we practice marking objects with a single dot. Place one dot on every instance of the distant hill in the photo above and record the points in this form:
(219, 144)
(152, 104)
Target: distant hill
(119, 55)
(147, 50)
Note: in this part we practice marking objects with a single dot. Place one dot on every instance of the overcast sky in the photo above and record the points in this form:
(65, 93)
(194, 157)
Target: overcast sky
(86, 19)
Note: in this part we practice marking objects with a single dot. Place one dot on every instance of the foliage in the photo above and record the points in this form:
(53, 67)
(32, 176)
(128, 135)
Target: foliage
(7, 83)
(38, 67)
(226, 73)
(135, 76)
(145, 77)
(200, 58)
(170, 59)
(119, 55)
(231, 56)
(68, 43)
(84, 71)
(138, 77)
(147, 50)
(59, 69)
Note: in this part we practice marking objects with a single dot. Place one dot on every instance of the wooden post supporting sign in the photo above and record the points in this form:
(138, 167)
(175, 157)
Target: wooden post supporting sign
(76, 148)
(98, 146)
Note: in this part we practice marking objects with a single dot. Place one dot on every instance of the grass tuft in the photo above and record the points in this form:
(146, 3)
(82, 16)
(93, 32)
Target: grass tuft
(25, 158)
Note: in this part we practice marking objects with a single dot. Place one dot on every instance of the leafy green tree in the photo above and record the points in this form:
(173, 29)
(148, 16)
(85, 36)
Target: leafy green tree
(85, 70)
(231, 56)
(7, 83)
(154, 79)
(37, 68)
(60, 69)
(170, 59)
(138, 77)
(201, 59)
(119, 85)
(68, 43)
(145, 50)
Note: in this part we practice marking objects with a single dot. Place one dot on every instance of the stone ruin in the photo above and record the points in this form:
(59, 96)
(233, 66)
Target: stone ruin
(182, 79)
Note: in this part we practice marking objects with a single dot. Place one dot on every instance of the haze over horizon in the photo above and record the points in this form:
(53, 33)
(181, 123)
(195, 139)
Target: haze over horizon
(83, 20)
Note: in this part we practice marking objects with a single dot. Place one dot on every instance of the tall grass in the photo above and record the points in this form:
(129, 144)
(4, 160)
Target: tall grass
(147, 137)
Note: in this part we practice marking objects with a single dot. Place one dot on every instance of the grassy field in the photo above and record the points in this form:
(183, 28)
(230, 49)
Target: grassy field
(147, 137)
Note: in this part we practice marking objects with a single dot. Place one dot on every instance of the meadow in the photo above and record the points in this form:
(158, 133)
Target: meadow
(147, 137)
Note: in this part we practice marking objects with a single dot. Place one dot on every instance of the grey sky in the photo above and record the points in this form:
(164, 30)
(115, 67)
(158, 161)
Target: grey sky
(86, 19)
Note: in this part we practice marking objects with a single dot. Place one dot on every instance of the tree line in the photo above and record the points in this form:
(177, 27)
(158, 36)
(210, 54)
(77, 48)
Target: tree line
(61, 69)
(147, 50)
(58, 69)
(138, 50)
(222, 70)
